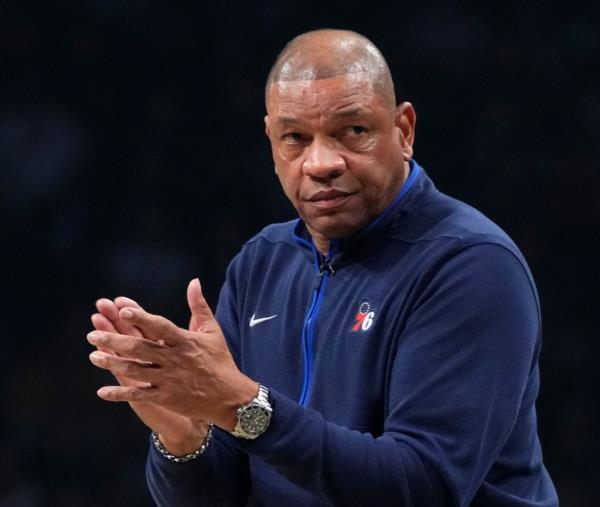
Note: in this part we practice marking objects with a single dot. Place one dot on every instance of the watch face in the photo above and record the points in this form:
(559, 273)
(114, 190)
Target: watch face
(254, 420)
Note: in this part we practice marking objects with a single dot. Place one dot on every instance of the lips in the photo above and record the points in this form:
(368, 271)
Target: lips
(327, 195)
(329, 198)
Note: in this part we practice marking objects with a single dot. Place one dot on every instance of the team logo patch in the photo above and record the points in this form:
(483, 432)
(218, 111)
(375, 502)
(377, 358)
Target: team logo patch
(363, 319)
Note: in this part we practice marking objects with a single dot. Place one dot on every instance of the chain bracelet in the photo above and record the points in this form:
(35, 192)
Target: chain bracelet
(186, 457)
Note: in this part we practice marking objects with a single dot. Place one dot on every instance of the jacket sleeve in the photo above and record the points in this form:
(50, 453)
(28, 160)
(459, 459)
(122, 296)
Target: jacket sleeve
(220, 476)
(466, 358)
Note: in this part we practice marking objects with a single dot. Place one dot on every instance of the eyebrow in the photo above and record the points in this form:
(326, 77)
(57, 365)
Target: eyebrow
(288, 120)
(349, 113)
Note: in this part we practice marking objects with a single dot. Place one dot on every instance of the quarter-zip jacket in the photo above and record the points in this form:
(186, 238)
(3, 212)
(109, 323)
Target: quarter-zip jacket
(403, 367)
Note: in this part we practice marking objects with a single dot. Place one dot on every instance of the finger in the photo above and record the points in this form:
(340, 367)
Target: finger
(108, 308)
(123, 326)
(123, 301)
(128, 346)
(123, 367)
(201, 312)
(127, 393)
(101, 323)
(154, 327)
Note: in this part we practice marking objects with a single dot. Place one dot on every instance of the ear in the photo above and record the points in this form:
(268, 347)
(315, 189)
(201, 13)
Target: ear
(406, 120)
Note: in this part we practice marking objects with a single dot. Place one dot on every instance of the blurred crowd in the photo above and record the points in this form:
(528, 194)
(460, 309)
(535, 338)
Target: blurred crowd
(133, 158)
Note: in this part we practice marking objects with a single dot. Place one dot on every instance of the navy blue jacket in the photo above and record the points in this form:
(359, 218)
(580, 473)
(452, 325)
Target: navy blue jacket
(403, 368)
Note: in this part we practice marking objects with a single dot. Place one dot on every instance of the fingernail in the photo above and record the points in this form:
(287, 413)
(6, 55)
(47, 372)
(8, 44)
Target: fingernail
(102, 392)
(126, 313)
(93, 337)
(96, 357)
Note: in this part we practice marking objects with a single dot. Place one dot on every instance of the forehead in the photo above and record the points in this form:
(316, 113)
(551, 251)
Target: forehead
(306, 99)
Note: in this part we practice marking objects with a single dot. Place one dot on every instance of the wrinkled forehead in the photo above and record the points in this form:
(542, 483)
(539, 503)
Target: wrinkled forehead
(334, 91)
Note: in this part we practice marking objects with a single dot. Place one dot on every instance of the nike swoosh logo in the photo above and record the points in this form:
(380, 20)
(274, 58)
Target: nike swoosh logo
(254, 321)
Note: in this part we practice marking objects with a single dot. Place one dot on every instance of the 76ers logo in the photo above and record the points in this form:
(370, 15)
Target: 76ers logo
(364, 317)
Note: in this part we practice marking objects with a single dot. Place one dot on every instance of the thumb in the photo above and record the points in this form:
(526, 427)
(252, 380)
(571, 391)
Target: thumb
(202, 316)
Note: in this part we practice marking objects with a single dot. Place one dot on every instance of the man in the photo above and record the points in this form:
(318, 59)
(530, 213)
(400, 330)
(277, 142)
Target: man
(381, 350)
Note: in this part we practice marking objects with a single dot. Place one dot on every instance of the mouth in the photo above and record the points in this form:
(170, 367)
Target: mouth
(329, 199)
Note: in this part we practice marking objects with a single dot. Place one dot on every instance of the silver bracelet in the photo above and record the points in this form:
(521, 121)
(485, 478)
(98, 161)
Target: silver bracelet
(186, 457)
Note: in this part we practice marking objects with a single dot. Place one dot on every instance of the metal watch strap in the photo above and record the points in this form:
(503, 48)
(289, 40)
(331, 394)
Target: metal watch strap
(186, 457)
(263, 394)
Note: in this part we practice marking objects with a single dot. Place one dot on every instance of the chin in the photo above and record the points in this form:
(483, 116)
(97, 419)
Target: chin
(333, 228)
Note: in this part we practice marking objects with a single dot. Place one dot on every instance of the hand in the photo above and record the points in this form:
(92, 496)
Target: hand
(178, 434)
(191, 373)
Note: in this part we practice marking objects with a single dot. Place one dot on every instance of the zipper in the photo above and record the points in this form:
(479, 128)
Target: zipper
(308, 331)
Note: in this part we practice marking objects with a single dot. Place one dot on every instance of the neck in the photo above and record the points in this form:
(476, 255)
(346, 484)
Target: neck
(320, 241)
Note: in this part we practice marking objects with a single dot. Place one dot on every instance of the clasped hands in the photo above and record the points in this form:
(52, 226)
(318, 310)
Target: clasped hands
(175, 379)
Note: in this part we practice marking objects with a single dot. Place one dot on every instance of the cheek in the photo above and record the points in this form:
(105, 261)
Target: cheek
(282, 169)
(289, 152)
(289, 183)
(376, 178)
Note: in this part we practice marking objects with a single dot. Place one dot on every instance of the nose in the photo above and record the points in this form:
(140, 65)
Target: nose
(323, 160)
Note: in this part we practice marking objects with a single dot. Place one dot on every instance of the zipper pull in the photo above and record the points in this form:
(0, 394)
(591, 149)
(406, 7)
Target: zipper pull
(325, 266)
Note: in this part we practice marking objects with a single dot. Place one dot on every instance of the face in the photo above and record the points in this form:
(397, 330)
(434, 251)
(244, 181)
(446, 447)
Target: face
(341, 151)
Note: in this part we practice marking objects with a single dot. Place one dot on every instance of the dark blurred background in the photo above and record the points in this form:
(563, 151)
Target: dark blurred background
(133, 158)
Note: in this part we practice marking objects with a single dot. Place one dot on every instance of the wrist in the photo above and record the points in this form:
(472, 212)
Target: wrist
(188, 456)
(245, 392)
(182, 444)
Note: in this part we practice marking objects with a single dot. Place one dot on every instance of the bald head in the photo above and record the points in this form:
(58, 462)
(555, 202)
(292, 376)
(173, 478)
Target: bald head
(323, 54)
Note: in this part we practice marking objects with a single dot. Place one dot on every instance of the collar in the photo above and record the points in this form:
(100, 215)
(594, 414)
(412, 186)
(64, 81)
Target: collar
(345, 250)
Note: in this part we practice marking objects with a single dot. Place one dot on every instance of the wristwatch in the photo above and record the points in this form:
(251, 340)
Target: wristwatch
(253, 419)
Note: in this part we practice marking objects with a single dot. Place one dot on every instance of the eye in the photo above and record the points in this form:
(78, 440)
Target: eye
(354, 131)
(292, 138)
